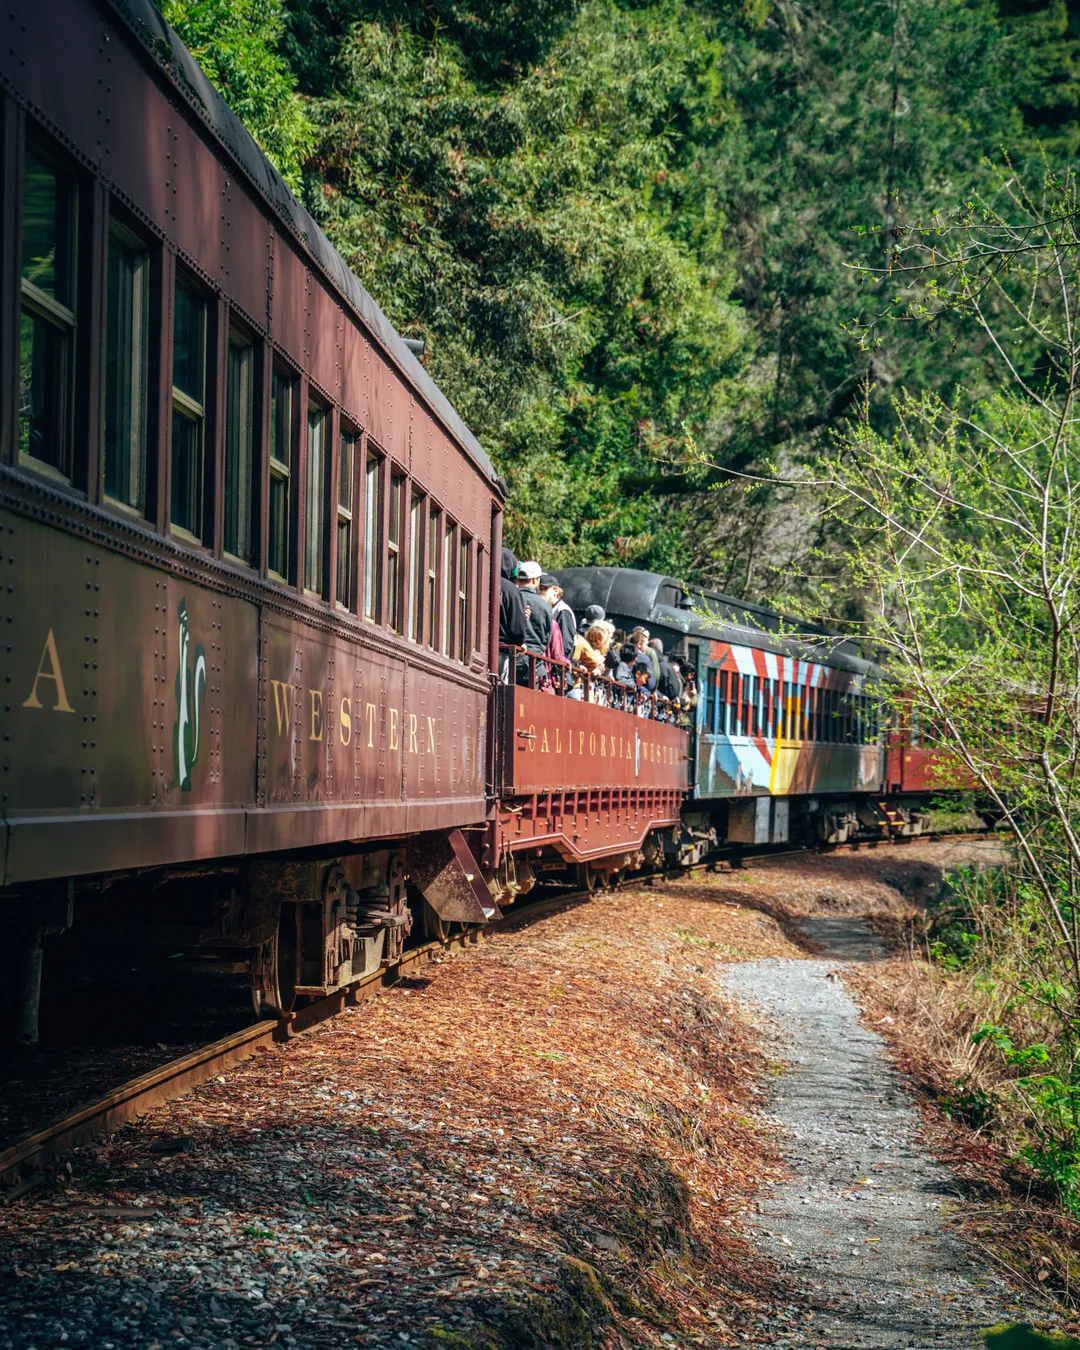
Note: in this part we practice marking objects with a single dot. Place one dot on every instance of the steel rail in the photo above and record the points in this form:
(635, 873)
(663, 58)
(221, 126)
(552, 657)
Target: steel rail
(22, 1163)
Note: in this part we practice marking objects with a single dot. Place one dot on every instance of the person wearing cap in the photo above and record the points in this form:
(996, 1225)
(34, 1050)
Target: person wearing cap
(593, 614)
(537, 616)
(560, 611)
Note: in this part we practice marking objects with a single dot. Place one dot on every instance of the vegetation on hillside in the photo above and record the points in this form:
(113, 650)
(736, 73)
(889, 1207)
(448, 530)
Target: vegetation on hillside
(627, 228)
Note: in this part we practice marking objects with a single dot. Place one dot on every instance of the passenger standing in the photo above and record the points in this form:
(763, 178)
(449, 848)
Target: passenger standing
(640, 638)
(670, 681)
(642, 676)
(690, 694)
(624, 671)
(560, 611)
(511, 614)
(537, 619)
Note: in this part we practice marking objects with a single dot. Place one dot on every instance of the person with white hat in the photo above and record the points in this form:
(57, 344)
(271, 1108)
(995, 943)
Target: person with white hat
(537, 615)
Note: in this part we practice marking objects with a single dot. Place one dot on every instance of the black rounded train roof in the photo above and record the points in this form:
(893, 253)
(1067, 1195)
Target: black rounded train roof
(665, 606)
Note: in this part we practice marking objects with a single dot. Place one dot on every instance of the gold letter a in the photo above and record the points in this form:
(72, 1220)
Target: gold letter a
(54, 674)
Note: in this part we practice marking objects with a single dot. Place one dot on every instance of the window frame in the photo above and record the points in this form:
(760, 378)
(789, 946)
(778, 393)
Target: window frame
(394, 550)
(62, 318)
(347, 515)
(132, 242)
(436, 528)
(373, 531)
(281, 470)
(189, 409)
(418, 512)
(450, 530)
(316, 500)
(463, 594)
(236, 335)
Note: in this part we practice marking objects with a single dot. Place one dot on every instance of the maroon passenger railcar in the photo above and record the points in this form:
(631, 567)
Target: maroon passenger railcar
(248, 545)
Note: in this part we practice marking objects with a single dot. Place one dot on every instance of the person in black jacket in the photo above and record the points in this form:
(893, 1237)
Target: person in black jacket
(670, 681)
(511, 613)
(538, 619)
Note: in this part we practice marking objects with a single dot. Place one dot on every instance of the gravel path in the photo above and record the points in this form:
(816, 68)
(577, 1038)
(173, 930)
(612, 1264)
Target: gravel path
(858, 1227)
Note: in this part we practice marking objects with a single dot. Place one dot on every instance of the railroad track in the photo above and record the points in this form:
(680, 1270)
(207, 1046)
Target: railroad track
(23, 1163)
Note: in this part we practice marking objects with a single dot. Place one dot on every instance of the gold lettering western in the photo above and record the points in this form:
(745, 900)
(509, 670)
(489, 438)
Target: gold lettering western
(315, 695)
(369, 708)
(53, 673)
(394, 715)
(345, 721)
(283, 703)
(412, 734)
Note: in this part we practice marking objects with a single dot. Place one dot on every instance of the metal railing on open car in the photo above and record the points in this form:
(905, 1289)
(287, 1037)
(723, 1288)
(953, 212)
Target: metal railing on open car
(532, 670)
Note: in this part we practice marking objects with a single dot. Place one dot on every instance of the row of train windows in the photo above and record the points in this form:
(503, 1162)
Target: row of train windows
(753, 705)
(444, 563)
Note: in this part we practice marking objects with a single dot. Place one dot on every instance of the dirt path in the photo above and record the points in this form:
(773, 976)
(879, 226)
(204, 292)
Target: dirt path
(859, 1228)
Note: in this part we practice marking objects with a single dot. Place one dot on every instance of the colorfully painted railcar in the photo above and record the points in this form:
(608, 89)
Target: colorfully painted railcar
(789, 736)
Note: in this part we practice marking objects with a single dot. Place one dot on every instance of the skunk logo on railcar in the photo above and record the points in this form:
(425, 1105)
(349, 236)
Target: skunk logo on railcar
(190, 689)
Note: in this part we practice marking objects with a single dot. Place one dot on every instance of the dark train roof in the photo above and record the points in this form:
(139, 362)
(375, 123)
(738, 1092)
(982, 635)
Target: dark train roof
(662, 602)
(169, 53)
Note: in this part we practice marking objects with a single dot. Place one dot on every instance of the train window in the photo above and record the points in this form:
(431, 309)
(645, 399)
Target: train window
(281, 435)
(239, 445)
(722, 705)
(345, 492)
(434, 545)
(480, 599)
(712, 690)
(188, 408)
(393, 552)
(372, 535)
(47, 320)
(126, 366)
(734, 725)
(416, 560)
(463, 599)
(315, 500)
(448, 584)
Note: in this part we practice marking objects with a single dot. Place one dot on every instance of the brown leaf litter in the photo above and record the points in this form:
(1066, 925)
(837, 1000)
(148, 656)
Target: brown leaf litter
(548, 1141)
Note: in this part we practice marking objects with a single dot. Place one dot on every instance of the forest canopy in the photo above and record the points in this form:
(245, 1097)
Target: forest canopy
(641, 240)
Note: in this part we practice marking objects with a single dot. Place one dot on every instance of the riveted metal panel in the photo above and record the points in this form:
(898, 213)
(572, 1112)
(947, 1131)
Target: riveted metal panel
(42, 47)
(354, 356)
(245, 265)
(194, 183)
(323, 316)
(290, 301)
(132, 690)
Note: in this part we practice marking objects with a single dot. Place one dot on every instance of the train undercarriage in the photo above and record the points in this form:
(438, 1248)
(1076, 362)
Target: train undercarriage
(284, 931)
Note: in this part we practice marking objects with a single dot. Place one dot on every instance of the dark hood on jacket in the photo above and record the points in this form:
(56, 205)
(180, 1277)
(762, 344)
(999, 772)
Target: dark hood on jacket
(509, 563)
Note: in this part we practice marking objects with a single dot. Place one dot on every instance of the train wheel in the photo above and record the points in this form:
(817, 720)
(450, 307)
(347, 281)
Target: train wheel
(434, 928)
(274, 969)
